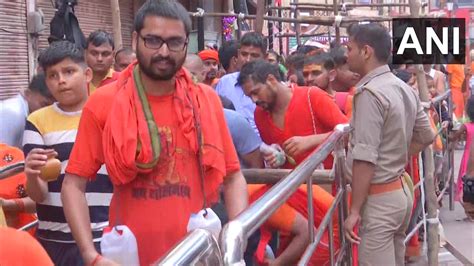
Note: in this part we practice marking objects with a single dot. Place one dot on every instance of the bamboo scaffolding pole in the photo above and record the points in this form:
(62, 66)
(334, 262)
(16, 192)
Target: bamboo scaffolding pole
(301, 8)
(336, 24)
(116, 24)
(297, 25)
(428, 164)
(347, 5)
(260, 15)
(319, 20)
(287, 35)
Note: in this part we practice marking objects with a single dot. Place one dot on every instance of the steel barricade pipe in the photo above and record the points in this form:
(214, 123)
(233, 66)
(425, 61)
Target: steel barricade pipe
(235, 232)
(324, 224)
(198, 246)
(340, 179)
(11, 169)
(28, 226)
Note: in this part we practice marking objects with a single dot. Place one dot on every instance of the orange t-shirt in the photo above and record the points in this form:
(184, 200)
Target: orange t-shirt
(20, 248)
(13, 187)
(298, 120)
(282, 219)
(457, 75)
(157, 206)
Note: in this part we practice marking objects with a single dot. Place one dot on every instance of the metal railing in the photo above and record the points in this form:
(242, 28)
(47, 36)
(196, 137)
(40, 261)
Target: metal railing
(200, 246)
(448, 154)
(235, 234)
(11, 169)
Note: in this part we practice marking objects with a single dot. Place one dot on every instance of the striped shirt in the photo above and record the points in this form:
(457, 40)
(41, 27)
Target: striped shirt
(52, 128)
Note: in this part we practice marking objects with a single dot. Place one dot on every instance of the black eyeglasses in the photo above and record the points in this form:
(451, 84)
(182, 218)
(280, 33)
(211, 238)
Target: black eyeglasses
(175, 44)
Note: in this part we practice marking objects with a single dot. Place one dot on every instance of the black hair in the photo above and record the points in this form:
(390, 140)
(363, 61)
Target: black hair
(38, 84)
(228, 50)
(99, 37)
(402, 74)
(125, 50)
(428, 77)
(323, 59)
(374, 35)
(58, 51)
(254, 39)
(338, 55)
(258, 71)
(295, 60)
(470, 108)
(163, 8)
(278, 57)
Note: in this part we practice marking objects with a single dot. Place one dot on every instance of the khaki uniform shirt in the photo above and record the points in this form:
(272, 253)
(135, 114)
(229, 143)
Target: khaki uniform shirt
(386, 118)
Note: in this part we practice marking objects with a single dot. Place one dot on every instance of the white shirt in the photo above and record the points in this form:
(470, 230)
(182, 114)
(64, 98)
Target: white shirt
(13, 113)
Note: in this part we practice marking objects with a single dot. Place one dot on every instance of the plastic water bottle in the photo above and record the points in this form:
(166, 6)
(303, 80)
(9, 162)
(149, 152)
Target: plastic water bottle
(276, 150)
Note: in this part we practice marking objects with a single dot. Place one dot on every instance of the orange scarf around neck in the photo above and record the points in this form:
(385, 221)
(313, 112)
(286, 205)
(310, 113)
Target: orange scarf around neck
(127, 135)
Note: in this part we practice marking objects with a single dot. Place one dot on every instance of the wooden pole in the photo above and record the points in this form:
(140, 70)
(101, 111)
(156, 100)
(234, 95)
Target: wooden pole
(319, 20)
(297, 25)
(116, 24)
(306, 8)
(260, 15)
(428, 163)
(303, 5)
(337, 29)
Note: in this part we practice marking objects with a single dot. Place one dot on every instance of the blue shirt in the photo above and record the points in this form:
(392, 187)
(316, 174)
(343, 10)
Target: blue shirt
(244, 137)
(229, 88)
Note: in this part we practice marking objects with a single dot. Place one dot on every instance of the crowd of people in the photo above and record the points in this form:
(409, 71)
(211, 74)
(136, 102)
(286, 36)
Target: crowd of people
(151, 141)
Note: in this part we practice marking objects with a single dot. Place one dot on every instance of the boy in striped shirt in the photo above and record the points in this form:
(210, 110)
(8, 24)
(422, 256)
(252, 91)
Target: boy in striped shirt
(51, 131)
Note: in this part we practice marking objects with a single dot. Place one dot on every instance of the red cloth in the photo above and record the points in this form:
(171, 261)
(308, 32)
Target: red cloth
(298, 201)
(298, 121)
(20, 248)
(209, 54)
(157, 206)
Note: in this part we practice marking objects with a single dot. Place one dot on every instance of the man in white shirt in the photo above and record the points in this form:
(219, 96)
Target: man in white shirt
(14, 110)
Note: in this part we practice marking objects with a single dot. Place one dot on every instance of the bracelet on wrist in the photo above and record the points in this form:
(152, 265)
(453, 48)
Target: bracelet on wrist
(96, 259)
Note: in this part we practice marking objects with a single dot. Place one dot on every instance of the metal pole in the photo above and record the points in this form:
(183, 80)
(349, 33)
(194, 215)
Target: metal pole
(270, 29)
(331, 242)
(451, 159)
(280, 31)
(297, 25)
(200, 28)
(340, 180)
(197, 246)
(309, 184)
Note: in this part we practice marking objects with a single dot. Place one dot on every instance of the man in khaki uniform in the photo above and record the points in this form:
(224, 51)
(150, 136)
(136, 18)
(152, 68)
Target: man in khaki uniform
(389, 124)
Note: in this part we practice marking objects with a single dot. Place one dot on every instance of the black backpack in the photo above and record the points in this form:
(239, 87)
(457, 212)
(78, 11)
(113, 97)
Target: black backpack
(65, 26)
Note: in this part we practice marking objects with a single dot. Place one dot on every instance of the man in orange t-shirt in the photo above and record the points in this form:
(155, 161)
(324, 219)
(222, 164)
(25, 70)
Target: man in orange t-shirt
(456, 78)
(320, 71)
(296, 118)
(291, 221)
(149, 129)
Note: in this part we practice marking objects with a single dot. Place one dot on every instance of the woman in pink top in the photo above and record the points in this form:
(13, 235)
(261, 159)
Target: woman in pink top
(467, 129)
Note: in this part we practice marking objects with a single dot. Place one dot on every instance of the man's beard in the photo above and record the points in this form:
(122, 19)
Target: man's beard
(156, 74)
(212, 74)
